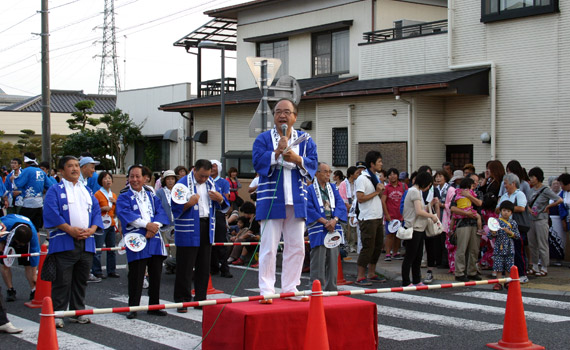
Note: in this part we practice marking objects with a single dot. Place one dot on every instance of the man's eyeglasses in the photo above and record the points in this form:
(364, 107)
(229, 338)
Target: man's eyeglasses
(285, 112)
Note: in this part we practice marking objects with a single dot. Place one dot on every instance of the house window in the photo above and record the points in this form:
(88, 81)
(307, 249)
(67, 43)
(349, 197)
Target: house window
(340, 146)
(496, 10)
(330, 52)
(242, 161)
(154, 152)
(459, 155)
(276, 49)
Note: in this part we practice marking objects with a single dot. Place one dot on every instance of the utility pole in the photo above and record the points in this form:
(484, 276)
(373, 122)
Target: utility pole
(46, 94)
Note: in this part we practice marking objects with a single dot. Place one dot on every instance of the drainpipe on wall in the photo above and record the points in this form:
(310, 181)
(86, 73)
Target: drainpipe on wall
(410, 134)
(349, 117)
(491, 64)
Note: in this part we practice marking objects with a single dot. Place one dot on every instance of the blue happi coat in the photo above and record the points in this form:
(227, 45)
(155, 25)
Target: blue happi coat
(10, 188)
(13, 220)
(31, 182)
(262, 152)
(56, 212)
(317, 231)
(128, 211)
(187, 223)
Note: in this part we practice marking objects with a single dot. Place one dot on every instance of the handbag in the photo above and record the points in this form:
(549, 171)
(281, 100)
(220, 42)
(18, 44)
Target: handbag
(522, 219)
(49, 268)
(433, 228)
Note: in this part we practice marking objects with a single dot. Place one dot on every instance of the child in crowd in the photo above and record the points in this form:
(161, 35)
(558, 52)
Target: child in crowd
(504, 253)
(464, 203)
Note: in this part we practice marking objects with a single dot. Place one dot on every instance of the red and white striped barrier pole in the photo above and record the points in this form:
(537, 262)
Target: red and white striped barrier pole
(273, 296)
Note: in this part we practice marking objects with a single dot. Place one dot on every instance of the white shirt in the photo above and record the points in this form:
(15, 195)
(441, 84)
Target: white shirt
(371, 209)
(79, 203)
(204, 201)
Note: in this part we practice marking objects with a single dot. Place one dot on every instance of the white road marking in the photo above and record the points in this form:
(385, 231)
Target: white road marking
(555, 304)
(462, 306)
(244, 267)
(192, 314)
(64, 340)
(147, 330)
(399, 334)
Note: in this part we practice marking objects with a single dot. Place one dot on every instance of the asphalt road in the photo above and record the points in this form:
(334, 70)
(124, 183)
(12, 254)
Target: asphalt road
(459, 318)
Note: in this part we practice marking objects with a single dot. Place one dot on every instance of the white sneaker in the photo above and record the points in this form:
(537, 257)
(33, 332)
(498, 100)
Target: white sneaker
(59, 323)
(429, 277)
(523, 279)
(79, 319)
(93, 279)
(145, 283)
(10, 329)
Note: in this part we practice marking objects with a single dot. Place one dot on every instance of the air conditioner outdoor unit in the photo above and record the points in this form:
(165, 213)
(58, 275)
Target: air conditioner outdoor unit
(403, 33)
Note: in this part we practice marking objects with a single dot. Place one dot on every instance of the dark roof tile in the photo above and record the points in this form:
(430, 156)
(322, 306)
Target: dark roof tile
(63, 101)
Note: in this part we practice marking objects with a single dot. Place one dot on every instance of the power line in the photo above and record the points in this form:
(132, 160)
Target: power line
(22, 21)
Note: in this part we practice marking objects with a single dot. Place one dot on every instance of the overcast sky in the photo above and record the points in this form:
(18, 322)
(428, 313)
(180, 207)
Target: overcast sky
(150, 27)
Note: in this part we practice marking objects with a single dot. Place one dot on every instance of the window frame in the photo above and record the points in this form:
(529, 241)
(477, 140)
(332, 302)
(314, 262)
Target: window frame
(331, 54)
(335, 147)
(517, 13)
(240, 156)
(284, 65)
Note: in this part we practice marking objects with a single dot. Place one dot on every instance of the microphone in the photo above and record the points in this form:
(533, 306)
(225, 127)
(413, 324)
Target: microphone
(284, 129)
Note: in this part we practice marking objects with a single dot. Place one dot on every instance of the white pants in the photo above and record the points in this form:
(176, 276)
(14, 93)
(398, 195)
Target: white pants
(293, 230)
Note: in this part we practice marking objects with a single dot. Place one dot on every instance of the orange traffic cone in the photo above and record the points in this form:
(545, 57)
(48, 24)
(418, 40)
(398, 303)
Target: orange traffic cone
(211, 289)
(47, 337)
(316, 337)
(43, 288)
(340, 281)
(515, 334)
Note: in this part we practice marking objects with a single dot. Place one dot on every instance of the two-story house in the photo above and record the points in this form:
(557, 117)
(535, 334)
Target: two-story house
(421, 81)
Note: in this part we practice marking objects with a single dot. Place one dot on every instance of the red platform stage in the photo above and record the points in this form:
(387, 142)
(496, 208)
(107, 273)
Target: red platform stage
(351, 324)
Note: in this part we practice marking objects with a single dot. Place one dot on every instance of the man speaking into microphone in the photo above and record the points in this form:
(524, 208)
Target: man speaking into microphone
(284, 158)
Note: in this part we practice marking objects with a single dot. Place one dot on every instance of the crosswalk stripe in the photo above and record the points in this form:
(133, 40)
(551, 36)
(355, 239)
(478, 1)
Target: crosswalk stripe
(442, 320)
(526, 300)
(192, 314)
(399, 334)
(65, 340)
(151, 331)
(463, 306)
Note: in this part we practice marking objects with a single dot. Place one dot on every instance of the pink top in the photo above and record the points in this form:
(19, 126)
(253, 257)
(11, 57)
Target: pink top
(447, 210)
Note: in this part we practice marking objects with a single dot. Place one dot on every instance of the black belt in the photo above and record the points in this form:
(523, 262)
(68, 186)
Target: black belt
(205, 219)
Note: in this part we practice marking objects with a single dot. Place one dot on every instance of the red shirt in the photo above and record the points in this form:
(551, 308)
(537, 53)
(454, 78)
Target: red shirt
(393, 197)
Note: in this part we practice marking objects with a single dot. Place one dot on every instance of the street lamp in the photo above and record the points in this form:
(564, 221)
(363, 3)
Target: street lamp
(212, 45)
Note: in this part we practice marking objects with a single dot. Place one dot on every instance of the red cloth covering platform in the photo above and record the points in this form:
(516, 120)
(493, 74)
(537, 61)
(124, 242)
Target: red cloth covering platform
(351, 324)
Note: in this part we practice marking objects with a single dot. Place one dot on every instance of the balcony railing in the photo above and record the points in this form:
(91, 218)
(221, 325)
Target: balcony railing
(405, 32)
(214, 87)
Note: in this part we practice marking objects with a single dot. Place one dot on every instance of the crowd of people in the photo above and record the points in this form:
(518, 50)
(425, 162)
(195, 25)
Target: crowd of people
(433, 219)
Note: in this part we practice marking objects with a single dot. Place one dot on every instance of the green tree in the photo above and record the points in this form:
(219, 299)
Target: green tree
(8, 151)
(28, 142)
(82, 118)
(94, 141)
(122, 133)
(57, 142)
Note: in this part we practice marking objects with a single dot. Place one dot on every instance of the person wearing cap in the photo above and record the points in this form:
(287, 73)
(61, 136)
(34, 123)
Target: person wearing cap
(107, 201)
(88, 175)
(456, 178)
(141, 214)
(32, 184)
(13, 194)
(219, 262)
(283, 170)
(360, 166)
(325, 212)
(23, 237)
(164, 193)
(72, 215)
(404, 178)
